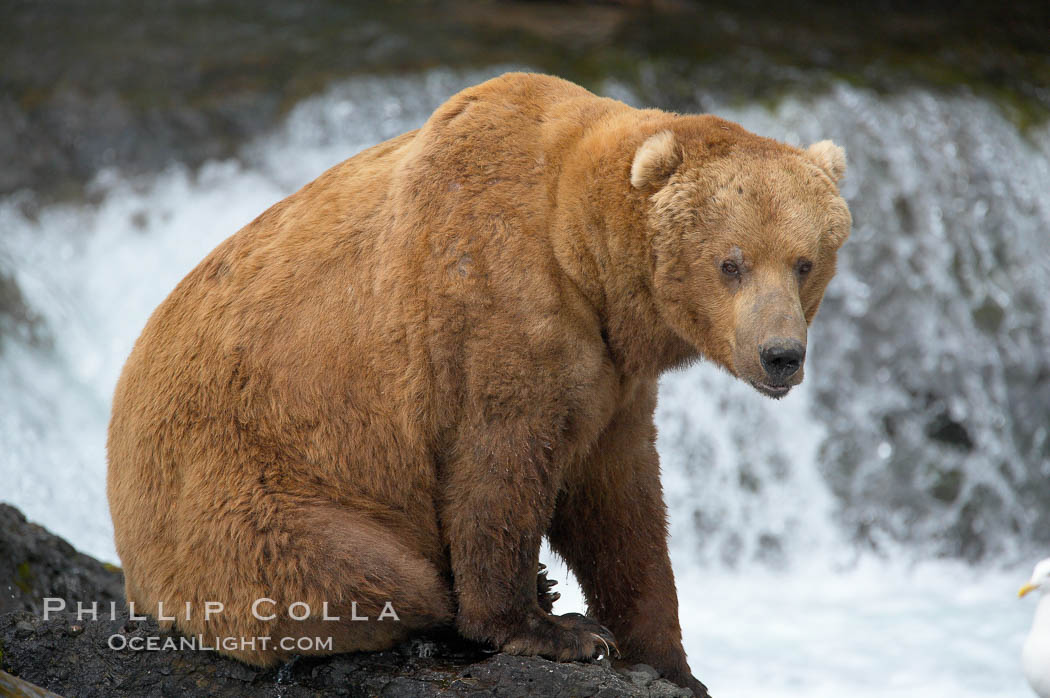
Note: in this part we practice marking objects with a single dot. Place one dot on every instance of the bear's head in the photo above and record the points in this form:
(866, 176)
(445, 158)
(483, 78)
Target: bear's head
(743, 233)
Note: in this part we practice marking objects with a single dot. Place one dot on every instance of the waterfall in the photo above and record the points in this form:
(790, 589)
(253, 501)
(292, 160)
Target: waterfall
(921, 429)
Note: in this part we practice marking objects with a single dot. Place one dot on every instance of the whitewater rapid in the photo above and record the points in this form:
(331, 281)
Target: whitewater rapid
(778, 596)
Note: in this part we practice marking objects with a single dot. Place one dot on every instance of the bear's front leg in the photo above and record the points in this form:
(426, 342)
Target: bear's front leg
(499, 493)
(610, 525)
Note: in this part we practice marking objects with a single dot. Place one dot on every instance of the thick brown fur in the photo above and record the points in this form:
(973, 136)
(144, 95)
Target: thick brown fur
(393, 384)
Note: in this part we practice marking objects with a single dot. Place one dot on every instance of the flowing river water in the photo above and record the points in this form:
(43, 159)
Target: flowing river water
(862, 537)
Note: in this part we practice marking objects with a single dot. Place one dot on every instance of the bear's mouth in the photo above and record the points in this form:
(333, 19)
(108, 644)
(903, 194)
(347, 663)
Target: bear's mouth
(773, 391)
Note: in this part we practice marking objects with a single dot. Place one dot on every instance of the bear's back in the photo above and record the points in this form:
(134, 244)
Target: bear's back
(332, 298)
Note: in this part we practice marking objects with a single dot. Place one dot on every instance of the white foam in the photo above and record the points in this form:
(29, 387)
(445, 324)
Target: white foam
(774, 601)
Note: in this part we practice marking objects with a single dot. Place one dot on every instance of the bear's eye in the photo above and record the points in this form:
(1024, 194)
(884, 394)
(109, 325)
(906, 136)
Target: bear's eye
(804, 267)
(730, 269)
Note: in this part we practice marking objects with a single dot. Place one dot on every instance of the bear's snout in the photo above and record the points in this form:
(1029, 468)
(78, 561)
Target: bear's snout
(781, 359)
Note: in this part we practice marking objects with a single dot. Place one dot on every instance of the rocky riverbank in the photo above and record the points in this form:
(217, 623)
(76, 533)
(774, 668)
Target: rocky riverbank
(69, 657)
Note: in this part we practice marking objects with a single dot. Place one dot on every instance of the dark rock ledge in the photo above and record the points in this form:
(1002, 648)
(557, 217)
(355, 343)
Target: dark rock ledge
(74, 658)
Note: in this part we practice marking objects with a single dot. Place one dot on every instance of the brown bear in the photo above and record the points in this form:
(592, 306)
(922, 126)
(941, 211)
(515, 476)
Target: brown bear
(379, 396)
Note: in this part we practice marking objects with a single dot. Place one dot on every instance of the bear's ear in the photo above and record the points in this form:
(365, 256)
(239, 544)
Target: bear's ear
(655, 160)
(830, 158)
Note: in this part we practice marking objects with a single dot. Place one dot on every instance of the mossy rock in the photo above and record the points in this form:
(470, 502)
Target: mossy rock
(24, 577)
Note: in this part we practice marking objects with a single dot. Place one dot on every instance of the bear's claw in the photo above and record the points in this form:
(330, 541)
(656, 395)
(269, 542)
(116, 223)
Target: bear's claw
(567, 638)
(544, 594)
(599, 632)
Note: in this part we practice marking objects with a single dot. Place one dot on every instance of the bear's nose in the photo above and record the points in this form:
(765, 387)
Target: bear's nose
(782, 358)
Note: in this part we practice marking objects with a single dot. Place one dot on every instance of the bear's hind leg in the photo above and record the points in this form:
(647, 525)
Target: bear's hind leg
(332, 581)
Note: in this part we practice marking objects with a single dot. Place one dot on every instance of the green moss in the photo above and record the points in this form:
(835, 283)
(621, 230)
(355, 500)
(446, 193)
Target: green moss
(947, 485)
(989, 316)
(24, 577)
(110, 567)
(755, 50)
(240, 66)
